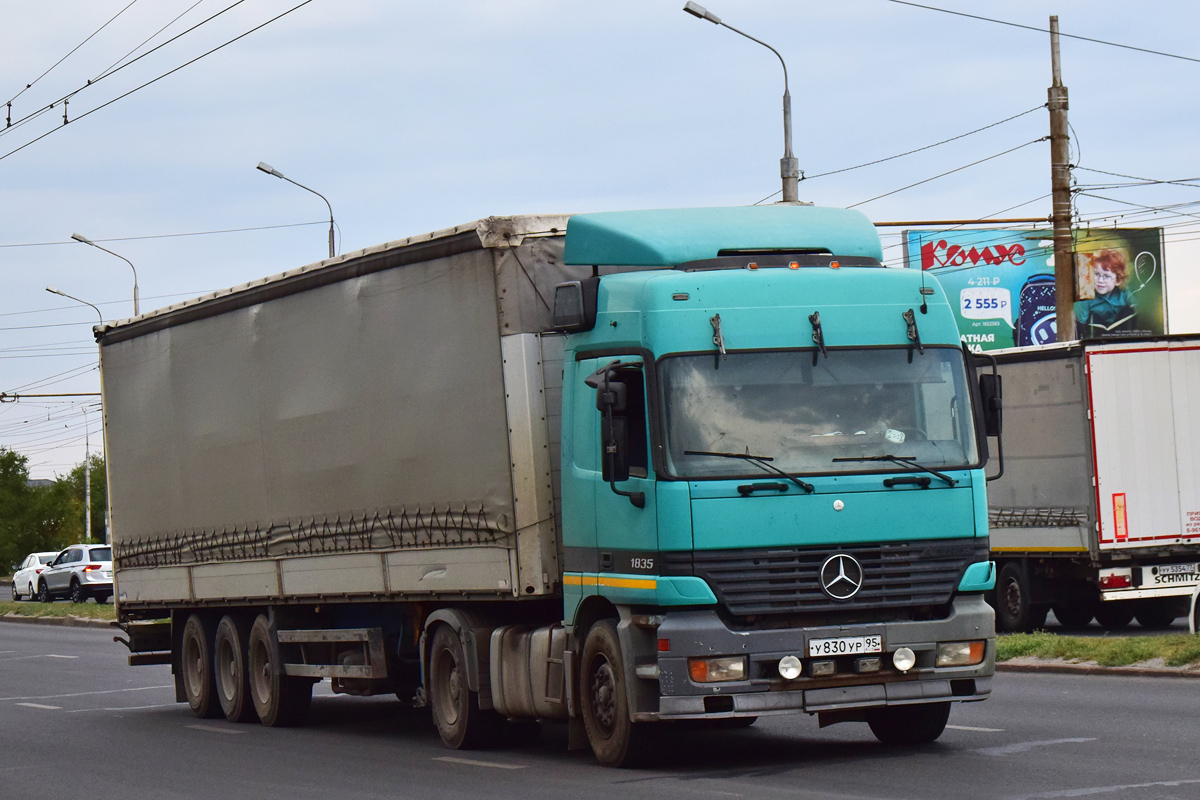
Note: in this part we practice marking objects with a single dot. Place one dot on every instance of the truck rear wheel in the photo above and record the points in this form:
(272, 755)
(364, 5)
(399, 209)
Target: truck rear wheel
(1074, 614)
(1014, 612)
(196, 667)
(230, 669)
(1115, 614)
(907, 725)
(1156, 614)
(616, 740)
(461, 723)
(279, 699)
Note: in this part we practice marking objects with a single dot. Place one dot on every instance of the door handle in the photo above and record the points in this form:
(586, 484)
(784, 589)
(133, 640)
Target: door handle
(606, 562)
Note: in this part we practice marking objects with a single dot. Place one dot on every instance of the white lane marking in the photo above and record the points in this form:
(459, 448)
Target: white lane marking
(121, 708)
(214, 729)
(39, 705)
(474, 763)
(52, 655)
(1023, 747)
(969, 728)
(26, 658)
(1091, 790)
(85, 694)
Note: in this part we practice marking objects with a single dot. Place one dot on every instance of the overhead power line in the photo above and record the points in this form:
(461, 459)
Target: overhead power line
(159, 78)
(169, 235)
(1046, 30)
(948, 172)
(68, 55)
(1144, 181)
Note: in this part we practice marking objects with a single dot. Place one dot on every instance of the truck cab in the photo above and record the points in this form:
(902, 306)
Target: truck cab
(772, 476)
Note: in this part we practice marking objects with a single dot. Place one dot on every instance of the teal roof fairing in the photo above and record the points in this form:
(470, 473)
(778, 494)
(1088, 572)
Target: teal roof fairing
(668, 237)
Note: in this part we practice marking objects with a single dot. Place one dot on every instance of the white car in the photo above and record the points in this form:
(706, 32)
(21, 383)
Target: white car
(24, 580)
(79, 572)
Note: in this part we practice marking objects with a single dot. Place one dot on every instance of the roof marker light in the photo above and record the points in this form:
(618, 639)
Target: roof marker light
(794, 265)
(835, 265)
(752, 265)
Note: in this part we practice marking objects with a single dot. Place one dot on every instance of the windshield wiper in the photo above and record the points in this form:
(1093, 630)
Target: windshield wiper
(758, 461)
(904, 461)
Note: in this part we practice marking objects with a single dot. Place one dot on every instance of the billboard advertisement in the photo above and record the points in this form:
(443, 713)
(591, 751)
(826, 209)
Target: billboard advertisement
(1001, 282)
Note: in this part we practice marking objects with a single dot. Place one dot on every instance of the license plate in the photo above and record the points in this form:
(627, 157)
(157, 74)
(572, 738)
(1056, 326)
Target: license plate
(845, 646)
(107, 574)
(1176, 569)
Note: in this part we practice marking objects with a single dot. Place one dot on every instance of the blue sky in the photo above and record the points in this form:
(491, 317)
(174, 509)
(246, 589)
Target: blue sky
(412, 117)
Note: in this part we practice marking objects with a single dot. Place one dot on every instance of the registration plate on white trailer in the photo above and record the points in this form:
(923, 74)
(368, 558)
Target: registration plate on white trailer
(845, 646)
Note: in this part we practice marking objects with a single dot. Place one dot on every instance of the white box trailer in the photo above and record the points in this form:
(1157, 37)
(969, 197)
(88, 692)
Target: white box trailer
(1097, 513)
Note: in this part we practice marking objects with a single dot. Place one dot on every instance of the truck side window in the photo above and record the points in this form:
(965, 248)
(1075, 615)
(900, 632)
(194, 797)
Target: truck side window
(635, 414)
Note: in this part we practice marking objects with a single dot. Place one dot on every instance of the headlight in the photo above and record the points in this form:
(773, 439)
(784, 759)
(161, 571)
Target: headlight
(790, 668)
(904, 659)
(712, 670)
(959, 654)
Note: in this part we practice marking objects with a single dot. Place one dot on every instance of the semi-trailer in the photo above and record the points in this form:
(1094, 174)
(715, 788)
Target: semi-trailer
(1097, 514)
(610, 469)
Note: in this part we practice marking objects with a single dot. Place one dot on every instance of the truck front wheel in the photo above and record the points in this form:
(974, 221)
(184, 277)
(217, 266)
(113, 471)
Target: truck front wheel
(196, 666)
(906, 725)
(615, 739)
(279, 699)
(461, 723)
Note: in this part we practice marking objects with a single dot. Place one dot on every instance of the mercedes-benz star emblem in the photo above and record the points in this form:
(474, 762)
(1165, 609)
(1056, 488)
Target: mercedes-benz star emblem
(841, 576)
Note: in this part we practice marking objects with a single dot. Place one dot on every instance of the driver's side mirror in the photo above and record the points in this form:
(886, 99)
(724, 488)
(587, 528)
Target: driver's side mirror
(992, 395)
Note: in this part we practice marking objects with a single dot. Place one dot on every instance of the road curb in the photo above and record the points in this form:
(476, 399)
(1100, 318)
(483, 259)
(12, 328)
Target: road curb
(1089, 669)
(69, 621)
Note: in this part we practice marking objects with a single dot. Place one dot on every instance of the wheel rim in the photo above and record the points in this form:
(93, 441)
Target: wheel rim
(1012, 599)
(226, 669)
(260, 672)
(448, 686)
(604, 690)
(193, 666)
(76, 593)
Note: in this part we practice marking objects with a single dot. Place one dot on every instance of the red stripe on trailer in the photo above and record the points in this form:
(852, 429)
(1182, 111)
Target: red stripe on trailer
(1095, 462)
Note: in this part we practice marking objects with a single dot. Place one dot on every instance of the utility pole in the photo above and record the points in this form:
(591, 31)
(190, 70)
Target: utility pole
(1060, 183)
(87, 480)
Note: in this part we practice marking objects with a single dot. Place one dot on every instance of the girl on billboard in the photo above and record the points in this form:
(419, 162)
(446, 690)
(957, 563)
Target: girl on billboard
(1111, 311)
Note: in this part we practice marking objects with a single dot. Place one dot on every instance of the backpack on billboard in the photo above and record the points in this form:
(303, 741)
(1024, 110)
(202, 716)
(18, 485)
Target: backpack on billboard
(1036, 313)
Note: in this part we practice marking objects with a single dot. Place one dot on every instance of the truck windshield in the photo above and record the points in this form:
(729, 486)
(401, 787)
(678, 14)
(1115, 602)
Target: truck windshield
(782, 406)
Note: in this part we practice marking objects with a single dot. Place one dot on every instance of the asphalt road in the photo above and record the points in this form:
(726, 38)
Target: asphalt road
(76, 721)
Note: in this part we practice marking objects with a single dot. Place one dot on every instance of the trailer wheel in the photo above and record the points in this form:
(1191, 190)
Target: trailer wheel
(280, 700)
(230, 667)
(616, 740)
(907, 725)
(1014, 612)
(1115, 614)
(1156, 614)
(196, 665)
(1074, 614)
(461, 723)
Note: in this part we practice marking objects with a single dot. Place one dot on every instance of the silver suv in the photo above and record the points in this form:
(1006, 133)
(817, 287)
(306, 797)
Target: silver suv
(79, 572)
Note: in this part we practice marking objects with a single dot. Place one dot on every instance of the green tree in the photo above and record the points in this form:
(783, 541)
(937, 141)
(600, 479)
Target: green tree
(73, 494)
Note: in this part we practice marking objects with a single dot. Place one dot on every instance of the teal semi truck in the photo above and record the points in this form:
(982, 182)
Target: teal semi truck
(610, 469)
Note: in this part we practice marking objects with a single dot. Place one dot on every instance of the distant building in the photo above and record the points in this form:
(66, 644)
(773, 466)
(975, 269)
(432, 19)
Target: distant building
(39, 482)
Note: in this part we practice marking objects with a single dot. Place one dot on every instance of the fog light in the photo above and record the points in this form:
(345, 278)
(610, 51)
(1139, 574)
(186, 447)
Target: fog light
(712, 670)
(904, 659)
(959, 654)
(821, 668)
(868, 665)
(790, 668)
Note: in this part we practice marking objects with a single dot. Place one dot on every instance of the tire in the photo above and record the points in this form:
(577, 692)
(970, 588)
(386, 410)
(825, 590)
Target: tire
(1075, 614)
(1155, 615)
(280, 700)
(230, 669)
(1115, 615)
(909, 725)
(15, 594)
(616, 740)
(78, 593)
(461, 723)
(196, 668)
(101, 598)
(1014, 612)
(43, 593)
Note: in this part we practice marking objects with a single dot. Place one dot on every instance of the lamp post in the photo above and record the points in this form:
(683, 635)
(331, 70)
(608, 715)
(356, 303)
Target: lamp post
(87, 450)
(267, 168)
(789, 167)
(79, 237)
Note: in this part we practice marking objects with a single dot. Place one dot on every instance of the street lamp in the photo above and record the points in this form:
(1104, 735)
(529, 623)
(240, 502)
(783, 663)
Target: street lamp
(79, 237)
(267, 168)
(789, 167)
(52, 290)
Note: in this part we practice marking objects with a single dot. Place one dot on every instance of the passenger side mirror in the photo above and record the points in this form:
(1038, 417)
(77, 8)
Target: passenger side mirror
(991, 393)
(614, 438)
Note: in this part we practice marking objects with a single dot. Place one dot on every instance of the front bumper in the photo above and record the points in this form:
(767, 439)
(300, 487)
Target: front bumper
(702, 633)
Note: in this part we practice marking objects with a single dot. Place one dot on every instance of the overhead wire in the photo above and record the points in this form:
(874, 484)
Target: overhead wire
(177, 17)
(169, 235)
(152, 81)
(1046, 30)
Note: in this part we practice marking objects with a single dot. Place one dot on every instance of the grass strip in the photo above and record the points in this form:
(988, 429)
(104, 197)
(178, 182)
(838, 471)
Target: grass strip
(1176, 649)
(60, 609)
